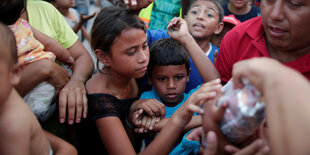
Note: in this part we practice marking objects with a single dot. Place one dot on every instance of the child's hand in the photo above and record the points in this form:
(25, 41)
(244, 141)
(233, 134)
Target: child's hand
(84, 18)
(69, 62)
(150, 106)
(177, 29)
(146, 123)
(206, 92)
(195, 134)
(138, 4)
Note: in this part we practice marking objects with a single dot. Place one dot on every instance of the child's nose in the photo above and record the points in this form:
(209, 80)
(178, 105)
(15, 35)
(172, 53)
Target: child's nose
(171, 84)
(143, 56)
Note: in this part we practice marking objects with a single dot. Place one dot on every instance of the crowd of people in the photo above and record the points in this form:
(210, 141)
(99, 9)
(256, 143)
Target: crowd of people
(150, 75)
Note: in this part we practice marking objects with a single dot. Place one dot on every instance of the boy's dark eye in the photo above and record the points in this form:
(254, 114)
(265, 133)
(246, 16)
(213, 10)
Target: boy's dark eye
(294, 4)
(179, 77)
(161, 79)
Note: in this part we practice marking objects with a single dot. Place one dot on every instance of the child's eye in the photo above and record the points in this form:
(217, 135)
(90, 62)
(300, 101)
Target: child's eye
(131, 52)
(145, 46)
(161, 79)
(210, 15)
(294, 4)
(195, 12)
(179, 77)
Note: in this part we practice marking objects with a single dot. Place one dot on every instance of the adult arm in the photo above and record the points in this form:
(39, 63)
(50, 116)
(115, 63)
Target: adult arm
(44, 70)
(73, 95)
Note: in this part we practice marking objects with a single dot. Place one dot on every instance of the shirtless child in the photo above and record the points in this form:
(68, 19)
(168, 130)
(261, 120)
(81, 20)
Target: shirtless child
(20, 131)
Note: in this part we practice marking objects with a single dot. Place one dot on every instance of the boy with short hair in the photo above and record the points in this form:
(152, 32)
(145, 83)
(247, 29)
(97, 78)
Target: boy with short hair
(168, 72)
(19, 127)
(204, 19)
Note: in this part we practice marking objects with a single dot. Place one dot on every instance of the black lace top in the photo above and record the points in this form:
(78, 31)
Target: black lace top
(103, 105)
(100, 105)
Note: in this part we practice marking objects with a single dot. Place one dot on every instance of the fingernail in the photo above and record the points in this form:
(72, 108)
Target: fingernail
(218, 80)
(211, 136)
(151, 128)
(133, 3)
(145, 131)
(126, 1)
(78, 120)
(62, 120)
(71, 122)
(85, 115)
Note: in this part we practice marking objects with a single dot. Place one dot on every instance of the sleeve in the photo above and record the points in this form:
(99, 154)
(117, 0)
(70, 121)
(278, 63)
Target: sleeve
(153, 35)
(186, 147)
(65, 35)
(224, 60)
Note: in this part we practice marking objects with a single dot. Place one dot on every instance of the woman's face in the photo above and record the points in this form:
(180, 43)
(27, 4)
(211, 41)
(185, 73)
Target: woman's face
(286, 23)
(129, 55)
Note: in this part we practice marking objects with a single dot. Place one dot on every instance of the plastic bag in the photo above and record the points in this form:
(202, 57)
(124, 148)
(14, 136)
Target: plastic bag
(40, 100)
(245, 111)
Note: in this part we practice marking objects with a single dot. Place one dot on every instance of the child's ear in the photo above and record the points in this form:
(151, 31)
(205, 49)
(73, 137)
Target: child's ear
(103, 57)
(219, 28)
(149, 78)
(188, 74)
(16, 73)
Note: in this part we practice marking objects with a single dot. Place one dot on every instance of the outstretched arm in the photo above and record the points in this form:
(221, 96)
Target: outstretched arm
(177, 29)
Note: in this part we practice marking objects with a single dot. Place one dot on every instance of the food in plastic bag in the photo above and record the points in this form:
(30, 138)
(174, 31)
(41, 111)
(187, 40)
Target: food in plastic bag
(244, 113)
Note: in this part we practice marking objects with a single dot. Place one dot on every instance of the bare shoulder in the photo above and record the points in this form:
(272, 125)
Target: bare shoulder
(15, 129)
(97, 83)
(19, 127)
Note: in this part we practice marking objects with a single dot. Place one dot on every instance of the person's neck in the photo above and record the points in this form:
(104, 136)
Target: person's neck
(239, 11)
(120, 86)
(284, 55)
(204, 44)
(64, 11)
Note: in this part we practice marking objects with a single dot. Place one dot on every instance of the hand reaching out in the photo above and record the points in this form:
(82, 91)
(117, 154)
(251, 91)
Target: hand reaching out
(177, 29)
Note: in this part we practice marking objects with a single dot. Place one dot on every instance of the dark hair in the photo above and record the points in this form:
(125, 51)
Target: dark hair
(10, 10)
(8, 41)
(166, 52)
(50, 1)
(109, 24)
(218, 5)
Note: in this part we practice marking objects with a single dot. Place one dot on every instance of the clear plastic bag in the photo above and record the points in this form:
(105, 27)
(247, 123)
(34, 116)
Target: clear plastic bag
(245, 111)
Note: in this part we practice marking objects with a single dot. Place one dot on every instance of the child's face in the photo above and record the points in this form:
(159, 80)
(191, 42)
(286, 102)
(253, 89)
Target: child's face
(129, 55)
(64, 3)
(170, 82)
(239, 3)
(202, 19)
(286, 23)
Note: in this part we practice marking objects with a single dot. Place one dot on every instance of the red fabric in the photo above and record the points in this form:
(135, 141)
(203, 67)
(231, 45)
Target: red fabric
(245, 41)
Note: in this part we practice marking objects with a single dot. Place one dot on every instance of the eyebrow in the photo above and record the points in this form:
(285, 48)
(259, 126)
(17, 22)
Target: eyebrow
(199, 7)
(145, 42)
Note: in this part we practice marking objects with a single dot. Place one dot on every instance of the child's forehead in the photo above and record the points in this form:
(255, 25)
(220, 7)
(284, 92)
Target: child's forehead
(204, 4)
